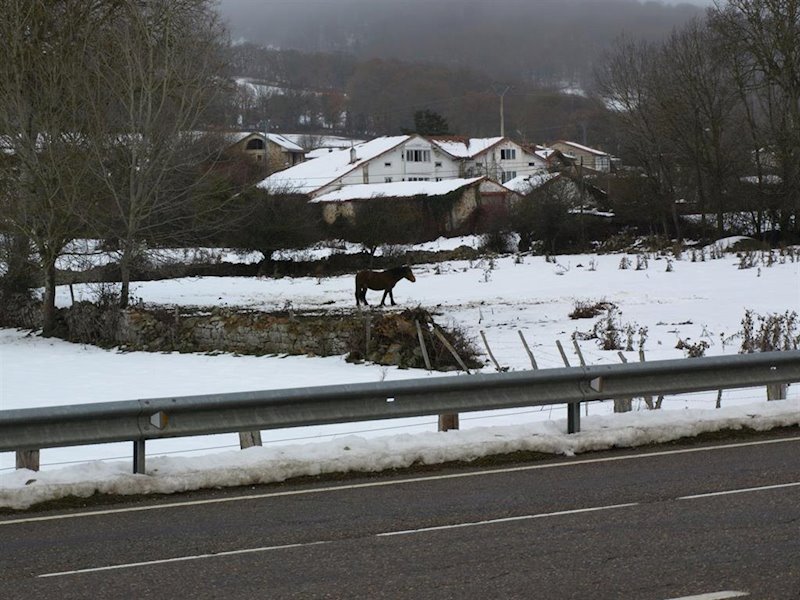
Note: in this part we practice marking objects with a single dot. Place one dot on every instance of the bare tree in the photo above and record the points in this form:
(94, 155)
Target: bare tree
(698, 104)
(43, 48)
(762, 42)
(153, 78)
(628, 80)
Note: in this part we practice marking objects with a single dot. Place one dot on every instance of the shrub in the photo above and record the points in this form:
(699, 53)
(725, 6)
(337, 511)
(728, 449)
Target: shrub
(693, 350)
(585, 309)
(769, 332)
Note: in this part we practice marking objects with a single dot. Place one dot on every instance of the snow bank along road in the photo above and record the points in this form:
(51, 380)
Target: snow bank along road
(709, 520)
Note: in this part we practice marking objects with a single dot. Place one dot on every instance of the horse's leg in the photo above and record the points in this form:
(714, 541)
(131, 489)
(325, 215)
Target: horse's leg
(391, 296)
(384, 296)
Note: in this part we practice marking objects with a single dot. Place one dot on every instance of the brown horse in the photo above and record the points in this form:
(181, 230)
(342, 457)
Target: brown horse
(380, 280)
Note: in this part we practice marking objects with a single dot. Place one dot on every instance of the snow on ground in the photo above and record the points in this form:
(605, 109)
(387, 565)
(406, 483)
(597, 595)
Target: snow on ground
(692, 301)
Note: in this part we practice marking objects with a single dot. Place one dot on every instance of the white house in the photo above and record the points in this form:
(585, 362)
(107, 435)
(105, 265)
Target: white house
(583, 156)
(407, 158)
(499, 158)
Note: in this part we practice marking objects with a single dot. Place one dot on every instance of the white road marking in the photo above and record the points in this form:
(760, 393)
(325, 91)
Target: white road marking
(741, 491)
(162, 561)
(714, 596)
(390, 483)
(506, 519)
(148, 563)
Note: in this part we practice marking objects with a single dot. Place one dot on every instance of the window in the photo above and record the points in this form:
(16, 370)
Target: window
(387, 164)
(508, 176)
(418, 155)
(508, 153)
(255, 144)
(387, 180)
(531, 164)
(437, 164)
(419, 178)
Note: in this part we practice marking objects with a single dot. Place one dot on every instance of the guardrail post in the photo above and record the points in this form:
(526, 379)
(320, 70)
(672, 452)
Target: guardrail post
(138, 456)
(573, 408)
(573, 417)
(28, 459)
(777, 391)
(248, 439)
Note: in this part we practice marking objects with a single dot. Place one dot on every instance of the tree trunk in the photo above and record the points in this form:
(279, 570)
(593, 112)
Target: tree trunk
(125, 278)
(49, 300)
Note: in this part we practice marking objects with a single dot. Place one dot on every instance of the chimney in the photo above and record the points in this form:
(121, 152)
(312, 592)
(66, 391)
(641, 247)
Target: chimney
(352, 155)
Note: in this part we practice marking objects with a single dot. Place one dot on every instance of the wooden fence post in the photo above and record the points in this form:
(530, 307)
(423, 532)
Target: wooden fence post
(491, 355)
(452, 350)
(528, 350)
(421, 338)
(562, 353)
(583, 364)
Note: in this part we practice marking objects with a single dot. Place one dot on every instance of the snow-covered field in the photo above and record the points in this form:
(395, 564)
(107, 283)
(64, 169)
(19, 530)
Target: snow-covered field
(668, 301)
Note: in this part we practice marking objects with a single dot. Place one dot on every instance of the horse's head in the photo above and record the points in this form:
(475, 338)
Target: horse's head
(408, 274)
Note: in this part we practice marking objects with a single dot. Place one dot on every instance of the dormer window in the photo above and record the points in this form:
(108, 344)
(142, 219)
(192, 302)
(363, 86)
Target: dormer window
(418, 155)
(508, 153)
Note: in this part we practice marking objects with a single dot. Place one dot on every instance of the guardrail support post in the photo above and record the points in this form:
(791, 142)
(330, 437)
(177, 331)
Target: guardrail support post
(138, 456)
(573, 417)
(28, 459)
(777, 391)
(248, 439)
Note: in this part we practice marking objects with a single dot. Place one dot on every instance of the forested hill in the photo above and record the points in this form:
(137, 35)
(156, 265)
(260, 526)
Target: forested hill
(541, 41)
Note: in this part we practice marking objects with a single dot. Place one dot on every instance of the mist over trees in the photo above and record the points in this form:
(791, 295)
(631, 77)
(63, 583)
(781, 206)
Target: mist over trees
(543, 41)
(319, 93)
(365, 67)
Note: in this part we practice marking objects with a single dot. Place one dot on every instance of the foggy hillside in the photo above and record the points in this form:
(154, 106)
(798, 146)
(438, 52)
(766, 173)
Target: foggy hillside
(545, 41)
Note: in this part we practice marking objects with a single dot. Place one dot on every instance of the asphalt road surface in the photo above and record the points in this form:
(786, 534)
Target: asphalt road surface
(711, 521)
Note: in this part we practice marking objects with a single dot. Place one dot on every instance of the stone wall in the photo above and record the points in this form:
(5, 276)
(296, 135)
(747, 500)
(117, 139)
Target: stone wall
(232, 331)
(382, 337)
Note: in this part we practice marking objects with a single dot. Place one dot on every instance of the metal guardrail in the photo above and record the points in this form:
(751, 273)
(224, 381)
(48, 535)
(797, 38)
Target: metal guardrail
(156, 418)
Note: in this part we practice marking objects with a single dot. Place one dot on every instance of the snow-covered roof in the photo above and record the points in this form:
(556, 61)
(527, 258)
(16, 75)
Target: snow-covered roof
(465, 147)
(544, 152)
(284, 142)
(525, 184)
(399, 189)
(583, 148)
(237, 136)
(309, 176)
(315, 142)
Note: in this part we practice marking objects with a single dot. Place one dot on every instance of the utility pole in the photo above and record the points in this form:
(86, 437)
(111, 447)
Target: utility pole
(502, 117)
